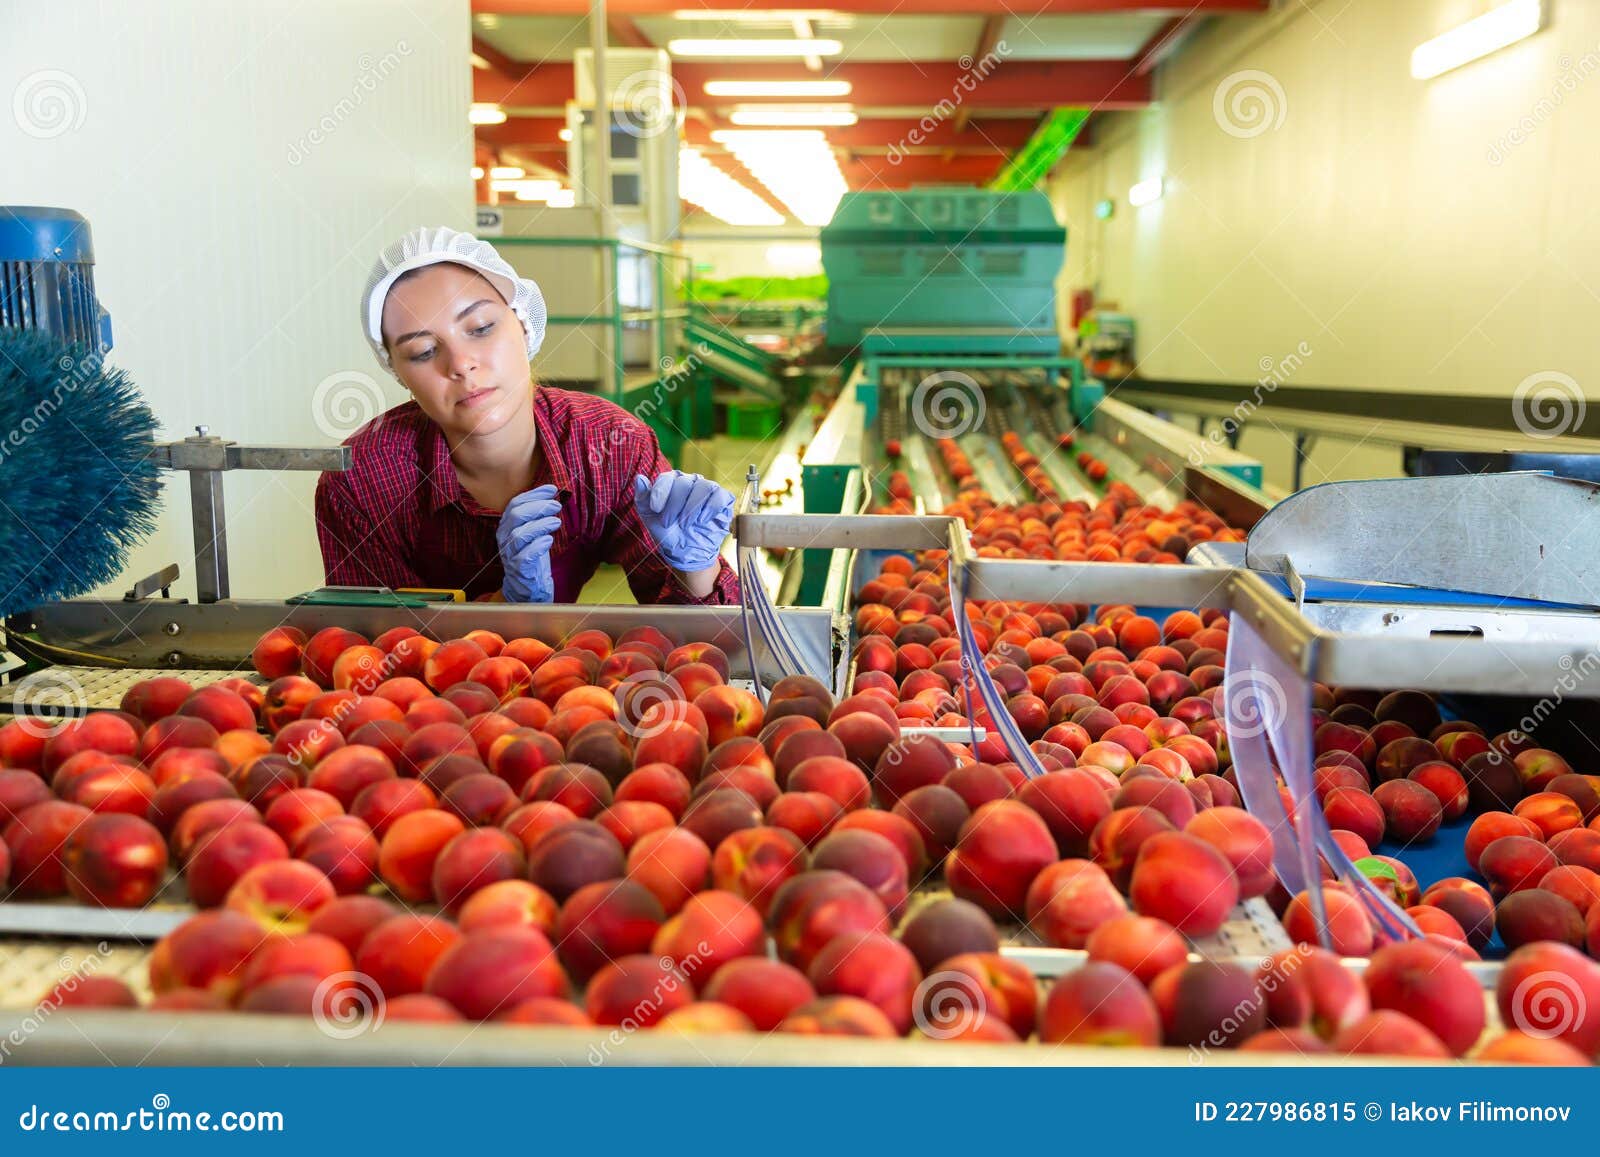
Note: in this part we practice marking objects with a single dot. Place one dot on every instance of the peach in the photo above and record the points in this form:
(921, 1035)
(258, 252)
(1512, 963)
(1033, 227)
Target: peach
(495, 969)
(839, 779)
(838, 1016)
(303, 954)
(225, 710)
(775, 731)
(580, 789)
(280, 895)
(1519, 1048)
(532, 820)
(1166, 795)
(114, 860)
(80, 991)
(765, 991)
(384, 801)
(470, 698)
(409, 850)
(573, 854)
(1069, 900)
(1391, 877)
(203, 818)
(872, 967)
(323, 649)
(1349, 927)
(224, 855)
(1399, 757)
(629, 820)
(978, 784)
(100, 731)
(1116, 840)
(812, 908)
(20, 790)
(605, 921)
(1099, 1004)
(752, 864)
(758, 785)
(661, 784)
(810, 815)
(403, 691)
(509, 903)
(972, 988)
(1514, 863)
(1309, 986)
(555, 677)
(710, 929)
(675, 742)
(718, 814)
(637, 992)
(367, 709)
(1432, 986)
(526, 713)
(1469, 903)
(307, 742)
(508, 678)
(1551, 991)
(451, 663)
(948, 927)
(114, 787)
(209, 951)
(1491, 826)
(1538, 767)
(1208, 1004)
(729, 712)
(898, 830)
(286, 701)
(527, 650)
(742, 752)
(1354, 810)
(696, 679)
(298, 808)
(472, 860)
(1185, 881)
(1493, 781)
(673, 864)
(1551, 812)
(345, 772)
(152, 699)
(440, 775)
(520, 755)
(480, 799)
(1001, 847)
(937, 812)
(1244, 841)
(178, 795)
(349, 919)
(869, 858)
(1532, 914)
(1579, 885)
(1143, 945)
(1581, 789)
(1386, 1032)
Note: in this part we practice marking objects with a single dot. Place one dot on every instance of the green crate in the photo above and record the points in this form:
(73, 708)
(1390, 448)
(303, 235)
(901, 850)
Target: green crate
(754, 419)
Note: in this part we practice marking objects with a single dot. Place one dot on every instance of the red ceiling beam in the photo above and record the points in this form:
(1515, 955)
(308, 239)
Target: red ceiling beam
(1100, 84)
(982, 135)
(873, 7)
(1167, 40)
(864, 172)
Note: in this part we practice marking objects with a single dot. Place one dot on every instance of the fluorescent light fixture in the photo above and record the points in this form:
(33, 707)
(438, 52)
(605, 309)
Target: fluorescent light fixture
(758, 15)
(1494, 30)
(797, 166)
(793, 115)
(565, 134)
(562, 199)
(526, 190)
(477, 172)
(820, 89)
(507, 172)
(477, 61)
(486, 114)
(703, 184)
(1146, 192)
(774, 46)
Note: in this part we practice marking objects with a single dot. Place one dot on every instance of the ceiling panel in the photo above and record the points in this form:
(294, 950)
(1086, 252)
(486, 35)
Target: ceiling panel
(1114, 36)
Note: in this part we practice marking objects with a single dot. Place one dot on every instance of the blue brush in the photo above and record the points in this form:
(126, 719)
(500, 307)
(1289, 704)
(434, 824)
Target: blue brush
(77, 487)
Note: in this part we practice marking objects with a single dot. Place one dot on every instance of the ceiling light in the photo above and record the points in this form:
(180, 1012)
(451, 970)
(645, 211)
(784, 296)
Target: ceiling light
(793, 115)
(703, 184)
(477, 61)
(477, 172)
(486, 114)
(565, 134)
(794, 255)
(526, 190)
(764, 47)
(507, 172)
(562, 199)
(1465, 43)
(1146, 192)
(790, 88)
(759, 16)
(797, 166)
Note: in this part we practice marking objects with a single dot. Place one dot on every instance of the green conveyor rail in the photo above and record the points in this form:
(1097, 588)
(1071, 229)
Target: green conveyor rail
(731, 357)
(1049, 143)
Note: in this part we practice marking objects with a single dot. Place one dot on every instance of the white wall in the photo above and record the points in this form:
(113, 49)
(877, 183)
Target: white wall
(720, 251)
(241, 165)
(1391, 224)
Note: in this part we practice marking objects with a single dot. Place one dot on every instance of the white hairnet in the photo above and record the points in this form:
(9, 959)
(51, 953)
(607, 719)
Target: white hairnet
(427, 246)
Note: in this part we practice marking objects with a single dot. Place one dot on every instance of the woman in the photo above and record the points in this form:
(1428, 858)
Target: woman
(484, 482)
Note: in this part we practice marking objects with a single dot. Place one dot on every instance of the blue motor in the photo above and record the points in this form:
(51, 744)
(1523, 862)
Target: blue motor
(47, 276)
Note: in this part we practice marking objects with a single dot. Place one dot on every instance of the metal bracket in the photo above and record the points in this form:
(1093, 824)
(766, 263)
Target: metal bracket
(205, 457)
(161, 580)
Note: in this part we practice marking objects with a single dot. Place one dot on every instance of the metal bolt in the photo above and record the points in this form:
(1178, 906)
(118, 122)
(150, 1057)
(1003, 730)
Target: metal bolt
(174, 658)
(172, 629)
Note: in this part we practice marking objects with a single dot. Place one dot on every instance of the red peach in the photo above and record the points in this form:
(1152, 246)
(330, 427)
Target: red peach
(869, 858)
(381, 803)
(628, 820)
(224, 855)
(495, 969)
(1185, 881)
(765, 991)
(1349, 928)
(573, 854)
(1514, 863)
(1143, 945)
(299, 808)
(812, 908)
(1100, 1004)
(1551, 991)
(605, 921)
(1069, 900)
(1306, 985)
(810, 815)
(100, 731)
(1580, 886)
(1432, 986)
(1244, 841)
(409, 850)
(509, 903)
(1491, 826)
(1469, 903)
(280, 895)
(1000, 849)
(579, 788)
(1533, 914)
(710, 929)
(203, 818)
(532, 820)
(223, 709)
(661, 784)
(1115, 842)
(873, 967)
(1447, 784)
(673, 864)
(114, 860)
(637, 992)
(1354, 810)
(1550, 812)
(348, 919)
(472, 860)
(1386, 1032)
(451, 662)
(209, 951)
(755, 862)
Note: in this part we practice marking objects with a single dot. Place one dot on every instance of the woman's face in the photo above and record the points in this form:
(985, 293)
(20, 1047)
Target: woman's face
(459, 348)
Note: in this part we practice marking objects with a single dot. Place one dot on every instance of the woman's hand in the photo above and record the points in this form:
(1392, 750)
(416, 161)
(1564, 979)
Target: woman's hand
(524, 536)
(688, 516)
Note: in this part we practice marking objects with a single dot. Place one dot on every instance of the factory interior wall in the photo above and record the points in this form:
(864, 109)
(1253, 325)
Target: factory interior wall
(232, 262)
(718, 253)
(1430, 235)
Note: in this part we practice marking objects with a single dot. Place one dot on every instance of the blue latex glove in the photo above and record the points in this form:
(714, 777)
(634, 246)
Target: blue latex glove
(687, 515)
(524, 536)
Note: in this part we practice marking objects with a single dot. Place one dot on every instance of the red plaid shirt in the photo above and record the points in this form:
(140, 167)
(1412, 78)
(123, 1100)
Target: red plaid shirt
(399, 516)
